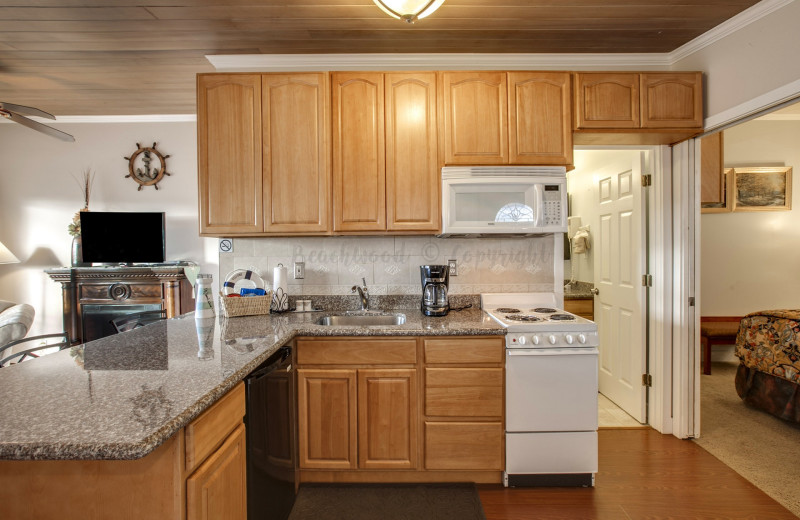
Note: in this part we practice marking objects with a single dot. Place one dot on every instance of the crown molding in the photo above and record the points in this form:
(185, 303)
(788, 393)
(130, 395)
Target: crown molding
(433, 61)
(726, 28)
(151, 118)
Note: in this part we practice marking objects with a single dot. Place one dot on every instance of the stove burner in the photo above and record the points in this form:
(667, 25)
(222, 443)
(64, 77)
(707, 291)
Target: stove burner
(507, 310)
(562, 317)
(544, 310)
(523, 317)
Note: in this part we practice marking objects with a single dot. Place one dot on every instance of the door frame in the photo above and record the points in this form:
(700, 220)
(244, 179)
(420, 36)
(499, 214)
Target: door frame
(659, 297)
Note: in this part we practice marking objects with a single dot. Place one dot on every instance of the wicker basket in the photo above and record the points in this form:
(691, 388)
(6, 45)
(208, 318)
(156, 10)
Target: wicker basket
(247, 305)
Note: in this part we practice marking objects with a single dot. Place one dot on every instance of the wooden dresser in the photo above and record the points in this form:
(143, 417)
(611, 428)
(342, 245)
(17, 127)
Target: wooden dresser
(94, 295)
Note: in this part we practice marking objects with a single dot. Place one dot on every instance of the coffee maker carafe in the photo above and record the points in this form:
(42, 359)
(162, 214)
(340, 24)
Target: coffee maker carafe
(435, 280)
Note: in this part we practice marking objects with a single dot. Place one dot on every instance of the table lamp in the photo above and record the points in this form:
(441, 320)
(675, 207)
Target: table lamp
(6, 256)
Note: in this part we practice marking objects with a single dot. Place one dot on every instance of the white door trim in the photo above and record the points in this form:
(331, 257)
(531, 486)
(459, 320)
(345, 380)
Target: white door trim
(660, 296)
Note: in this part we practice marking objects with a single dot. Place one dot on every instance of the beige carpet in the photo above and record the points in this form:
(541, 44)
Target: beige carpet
(760, 447)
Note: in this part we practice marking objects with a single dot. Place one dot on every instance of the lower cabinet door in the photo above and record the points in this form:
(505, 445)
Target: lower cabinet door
(387, 418)
(218, 489)
(326, 421)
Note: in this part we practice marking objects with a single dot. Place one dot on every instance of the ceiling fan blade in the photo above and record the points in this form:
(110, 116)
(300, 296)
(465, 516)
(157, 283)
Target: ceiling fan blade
(39, 127)
(25, 111)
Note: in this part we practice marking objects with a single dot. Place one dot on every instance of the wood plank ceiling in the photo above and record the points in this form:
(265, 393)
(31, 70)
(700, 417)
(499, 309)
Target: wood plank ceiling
(121, 57)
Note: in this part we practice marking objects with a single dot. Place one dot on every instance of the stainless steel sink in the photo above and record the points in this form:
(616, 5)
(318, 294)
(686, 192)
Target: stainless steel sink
(363, 320)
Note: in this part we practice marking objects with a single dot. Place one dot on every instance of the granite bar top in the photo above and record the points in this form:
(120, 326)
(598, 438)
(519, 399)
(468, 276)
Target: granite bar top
(120, 397)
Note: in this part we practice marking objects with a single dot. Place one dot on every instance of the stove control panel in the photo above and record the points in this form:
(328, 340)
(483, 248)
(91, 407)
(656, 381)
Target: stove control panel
(552, 339)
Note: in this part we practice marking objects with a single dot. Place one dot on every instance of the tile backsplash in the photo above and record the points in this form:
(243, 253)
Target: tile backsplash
(390, 265)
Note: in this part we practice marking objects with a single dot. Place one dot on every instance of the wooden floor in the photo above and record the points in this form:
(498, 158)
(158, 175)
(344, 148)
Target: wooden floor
(643, 475)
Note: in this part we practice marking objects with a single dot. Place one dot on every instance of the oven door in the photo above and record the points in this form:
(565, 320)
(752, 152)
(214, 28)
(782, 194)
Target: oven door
(551, 390)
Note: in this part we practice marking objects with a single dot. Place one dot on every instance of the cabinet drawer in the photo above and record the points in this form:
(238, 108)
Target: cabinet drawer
(464, 445)
(356, 351)
(209, 430)
(120, 292)
(464, 350)
(464, 392)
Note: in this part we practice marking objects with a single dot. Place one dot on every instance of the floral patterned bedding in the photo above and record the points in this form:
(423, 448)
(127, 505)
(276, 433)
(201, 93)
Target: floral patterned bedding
(769, 341)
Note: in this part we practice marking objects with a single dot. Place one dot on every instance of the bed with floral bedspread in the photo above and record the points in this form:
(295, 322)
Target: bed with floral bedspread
(768, 348)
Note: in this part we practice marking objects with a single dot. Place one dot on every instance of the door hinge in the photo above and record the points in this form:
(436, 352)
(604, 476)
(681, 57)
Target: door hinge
(647, 180)
(691, 301)
(647, 380)
(647, 280)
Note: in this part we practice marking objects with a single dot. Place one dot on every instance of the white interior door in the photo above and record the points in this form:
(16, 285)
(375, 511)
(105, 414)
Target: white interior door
(619, 263)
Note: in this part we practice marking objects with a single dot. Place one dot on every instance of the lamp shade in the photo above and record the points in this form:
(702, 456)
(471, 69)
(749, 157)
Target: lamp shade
(408, 10)
(6, 256)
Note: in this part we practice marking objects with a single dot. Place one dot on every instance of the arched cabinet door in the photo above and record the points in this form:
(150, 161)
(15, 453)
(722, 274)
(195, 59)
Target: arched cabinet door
(606, 100)
(539, 115)
(672, 100)
(475, 117)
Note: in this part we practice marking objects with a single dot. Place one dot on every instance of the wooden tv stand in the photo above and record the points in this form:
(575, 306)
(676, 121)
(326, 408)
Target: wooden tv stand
(91, 294)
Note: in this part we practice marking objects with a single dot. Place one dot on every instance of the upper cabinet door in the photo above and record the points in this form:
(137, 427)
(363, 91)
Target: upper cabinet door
(672, 99)
(229, 153)
(295, 118)
(540, 121)
(412, 164)
(606, 100)
(359, 175)
(475, 112)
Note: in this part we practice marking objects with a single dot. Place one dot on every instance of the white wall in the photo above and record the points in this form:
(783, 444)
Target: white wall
(756, 59)
(39, 196)
(750, 261)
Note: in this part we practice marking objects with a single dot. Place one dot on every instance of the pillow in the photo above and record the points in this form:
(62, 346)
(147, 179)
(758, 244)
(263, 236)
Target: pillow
(15, 321)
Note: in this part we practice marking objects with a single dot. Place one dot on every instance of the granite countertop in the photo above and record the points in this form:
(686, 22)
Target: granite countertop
(578, 290)
(120, 397)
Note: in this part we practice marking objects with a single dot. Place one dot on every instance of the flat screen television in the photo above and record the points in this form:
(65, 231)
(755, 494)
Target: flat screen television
(122, 238)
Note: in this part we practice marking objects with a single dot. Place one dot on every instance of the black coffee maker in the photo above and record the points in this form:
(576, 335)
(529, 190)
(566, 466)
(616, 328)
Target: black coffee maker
(435, 281)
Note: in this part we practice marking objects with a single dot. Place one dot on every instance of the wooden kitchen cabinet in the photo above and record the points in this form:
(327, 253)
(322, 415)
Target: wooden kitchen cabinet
(218, 488)
(583, 307)
(637, 108)
(197, 473)
(356, 409)
(475, 107)
(412, 152)
(539, 117)
(263, 153)
(507, 118)
(385, 152)
(387, 418)
(296, 162)
(229, 153)
(327, 420)
(366, 415)
(464, 406)
(712, 170)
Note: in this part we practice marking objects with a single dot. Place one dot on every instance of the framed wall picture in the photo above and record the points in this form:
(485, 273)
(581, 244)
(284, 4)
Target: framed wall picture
(726, 205)
(762, 188)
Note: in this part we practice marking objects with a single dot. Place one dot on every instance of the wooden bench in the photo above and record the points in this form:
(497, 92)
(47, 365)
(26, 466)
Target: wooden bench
(717, 330)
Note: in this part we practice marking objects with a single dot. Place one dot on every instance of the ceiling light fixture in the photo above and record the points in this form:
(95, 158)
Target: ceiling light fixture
(408, 10)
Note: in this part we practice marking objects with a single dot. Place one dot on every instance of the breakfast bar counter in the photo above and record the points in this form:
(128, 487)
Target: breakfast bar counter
(120, 397)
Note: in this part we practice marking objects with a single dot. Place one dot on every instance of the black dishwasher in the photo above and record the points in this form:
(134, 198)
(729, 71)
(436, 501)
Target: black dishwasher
(271, 438)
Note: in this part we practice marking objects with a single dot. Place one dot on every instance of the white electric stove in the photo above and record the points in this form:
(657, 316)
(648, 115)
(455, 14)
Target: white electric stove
(551, 390)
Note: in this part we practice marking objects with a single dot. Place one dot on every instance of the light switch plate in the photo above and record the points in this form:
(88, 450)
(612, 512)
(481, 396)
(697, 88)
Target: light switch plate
(299, 270)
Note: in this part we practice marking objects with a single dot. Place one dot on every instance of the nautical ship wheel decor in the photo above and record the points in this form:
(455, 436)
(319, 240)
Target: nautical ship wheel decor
(147, 166)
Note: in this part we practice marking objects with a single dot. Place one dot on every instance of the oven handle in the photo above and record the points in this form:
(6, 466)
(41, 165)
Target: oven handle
(553, 352)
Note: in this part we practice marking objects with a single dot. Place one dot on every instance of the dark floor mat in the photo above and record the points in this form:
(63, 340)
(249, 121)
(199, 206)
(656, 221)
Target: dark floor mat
(388, 502)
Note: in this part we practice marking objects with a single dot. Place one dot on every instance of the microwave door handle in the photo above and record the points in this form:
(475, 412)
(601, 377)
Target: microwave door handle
(538, 205)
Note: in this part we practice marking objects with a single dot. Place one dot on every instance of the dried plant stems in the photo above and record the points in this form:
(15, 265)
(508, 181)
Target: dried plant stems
(85, 183)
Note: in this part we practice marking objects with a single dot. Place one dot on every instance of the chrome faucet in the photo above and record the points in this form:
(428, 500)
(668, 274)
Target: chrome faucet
(363, 293)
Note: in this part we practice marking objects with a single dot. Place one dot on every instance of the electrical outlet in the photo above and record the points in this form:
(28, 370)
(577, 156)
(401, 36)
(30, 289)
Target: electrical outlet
(299, 270)
(453, 264)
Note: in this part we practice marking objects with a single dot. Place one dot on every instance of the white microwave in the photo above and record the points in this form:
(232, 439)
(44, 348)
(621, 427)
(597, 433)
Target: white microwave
(503, 200)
